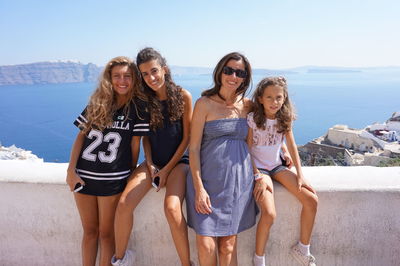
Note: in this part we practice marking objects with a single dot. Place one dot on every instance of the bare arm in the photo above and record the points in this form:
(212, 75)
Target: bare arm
(286, 155)
(294, 153)
(147, 155)
(135, 148)
(72, 178)
(187, 117)
(249, 141)
(284, 147)
(292, 147)
(203, 203)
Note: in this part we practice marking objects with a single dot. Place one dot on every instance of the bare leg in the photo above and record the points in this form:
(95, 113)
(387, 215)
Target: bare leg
(227, 251)
(268, 214)
(308, 199)
(136, 189)
(174, 196)
(107, 206)
(206, 248)
(87, 207)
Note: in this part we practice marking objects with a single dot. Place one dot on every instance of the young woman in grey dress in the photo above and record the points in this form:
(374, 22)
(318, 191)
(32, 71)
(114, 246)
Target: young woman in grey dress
(219, 196)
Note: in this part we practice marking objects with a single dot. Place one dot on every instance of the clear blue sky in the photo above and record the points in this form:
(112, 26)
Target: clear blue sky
(272, 34)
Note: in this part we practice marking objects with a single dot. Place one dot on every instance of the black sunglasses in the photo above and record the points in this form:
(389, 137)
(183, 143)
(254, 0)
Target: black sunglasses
(229, 71)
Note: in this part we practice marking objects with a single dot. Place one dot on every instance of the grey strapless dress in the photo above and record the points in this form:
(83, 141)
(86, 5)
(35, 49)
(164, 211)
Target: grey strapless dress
(227, 176)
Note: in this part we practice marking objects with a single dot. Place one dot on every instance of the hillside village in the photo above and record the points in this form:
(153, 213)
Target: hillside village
(375, 145)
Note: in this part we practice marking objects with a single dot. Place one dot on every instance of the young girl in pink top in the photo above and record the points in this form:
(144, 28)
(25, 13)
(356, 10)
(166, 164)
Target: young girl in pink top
(270, 124)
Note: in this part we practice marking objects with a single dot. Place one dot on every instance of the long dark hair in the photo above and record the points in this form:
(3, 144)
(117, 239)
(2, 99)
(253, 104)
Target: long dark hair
(285, 116)
(218, 72)
(174, 95)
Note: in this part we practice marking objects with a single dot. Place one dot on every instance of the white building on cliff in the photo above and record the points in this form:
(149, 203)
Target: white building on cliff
(369, 146)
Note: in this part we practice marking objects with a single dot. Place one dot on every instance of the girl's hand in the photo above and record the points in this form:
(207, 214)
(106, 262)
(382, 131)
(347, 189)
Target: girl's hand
(302, 182)
(288, 159)
(152, 169)
(261, 186)
(163, 175)
(203, 203)
(72, 179)
(154, 172)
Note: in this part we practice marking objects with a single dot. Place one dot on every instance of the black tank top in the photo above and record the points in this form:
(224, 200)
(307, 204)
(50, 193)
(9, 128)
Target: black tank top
(165, 140)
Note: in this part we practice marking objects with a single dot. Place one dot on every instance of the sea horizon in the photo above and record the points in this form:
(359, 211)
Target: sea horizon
(39, 117)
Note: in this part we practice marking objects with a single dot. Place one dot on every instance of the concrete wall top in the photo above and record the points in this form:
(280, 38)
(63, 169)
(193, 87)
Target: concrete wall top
(330, 178)
(357, 223)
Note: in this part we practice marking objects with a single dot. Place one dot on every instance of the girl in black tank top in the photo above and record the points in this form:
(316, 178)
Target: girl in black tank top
(170, 110)
(166, 139)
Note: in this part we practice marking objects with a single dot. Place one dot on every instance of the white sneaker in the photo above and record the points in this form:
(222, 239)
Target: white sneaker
(127, 260)
(301, 258)
(257, 261)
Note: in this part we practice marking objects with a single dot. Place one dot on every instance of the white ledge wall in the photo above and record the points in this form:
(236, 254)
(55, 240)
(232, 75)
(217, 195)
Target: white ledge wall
(358, 220)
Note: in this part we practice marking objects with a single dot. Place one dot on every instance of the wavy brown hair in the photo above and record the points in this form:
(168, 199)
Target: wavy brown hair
(218, 73)
(285, 116)
(174, 92)
(103, 102)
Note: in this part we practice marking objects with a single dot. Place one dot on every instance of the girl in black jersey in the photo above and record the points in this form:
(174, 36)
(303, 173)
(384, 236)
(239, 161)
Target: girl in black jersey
(170, 108)
(104, 154)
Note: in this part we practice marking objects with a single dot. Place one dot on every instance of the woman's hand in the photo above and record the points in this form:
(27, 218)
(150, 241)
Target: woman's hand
(203, 203)
(261, 186)
(73, 179)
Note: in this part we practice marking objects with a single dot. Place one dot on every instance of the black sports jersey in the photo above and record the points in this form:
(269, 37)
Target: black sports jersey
(106, 155)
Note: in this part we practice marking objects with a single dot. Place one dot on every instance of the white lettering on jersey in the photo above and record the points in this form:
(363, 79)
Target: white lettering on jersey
(98, 138)
(114, 140)
(120, 125)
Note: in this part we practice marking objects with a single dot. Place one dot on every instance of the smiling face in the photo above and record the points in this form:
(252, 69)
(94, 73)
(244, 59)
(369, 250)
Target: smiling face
(272, 100)
(153, 74)
(121, 80)
(232, 82)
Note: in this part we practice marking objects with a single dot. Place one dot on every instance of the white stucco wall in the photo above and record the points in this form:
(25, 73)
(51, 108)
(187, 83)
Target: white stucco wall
(393, 125)
(347, 138)
(358, 221)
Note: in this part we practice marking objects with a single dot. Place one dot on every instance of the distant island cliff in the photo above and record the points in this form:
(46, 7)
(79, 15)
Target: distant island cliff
(52, 72)
(49, 72)
(72, 72)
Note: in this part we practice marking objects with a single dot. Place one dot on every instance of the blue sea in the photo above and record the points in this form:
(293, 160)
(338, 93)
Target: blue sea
(39, 117)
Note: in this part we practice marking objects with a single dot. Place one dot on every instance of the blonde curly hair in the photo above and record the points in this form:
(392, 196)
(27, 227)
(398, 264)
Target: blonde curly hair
(103, 102)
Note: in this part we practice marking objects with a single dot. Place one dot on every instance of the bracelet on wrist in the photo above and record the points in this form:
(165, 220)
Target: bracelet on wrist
(257, 176)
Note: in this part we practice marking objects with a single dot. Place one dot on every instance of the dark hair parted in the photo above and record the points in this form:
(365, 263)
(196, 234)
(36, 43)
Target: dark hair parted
(218, 73)
(285, 116)
(174, 92)
(103, 102)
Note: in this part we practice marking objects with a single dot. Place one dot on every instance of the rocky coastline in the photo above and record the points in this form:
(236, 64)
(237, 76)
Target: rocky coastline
(49, 73)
